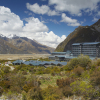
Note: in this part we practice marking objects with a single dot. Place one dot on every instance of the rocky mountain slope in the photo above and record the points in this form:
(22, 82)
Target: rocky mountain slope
(81, 34)
(22, 45)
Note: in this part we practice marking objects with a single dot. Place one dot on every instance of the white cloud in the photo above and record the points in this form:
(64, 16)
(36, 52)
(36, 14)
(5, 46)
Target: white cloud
(29, 13)
(69, 21)
(34, 28)
(54, 21)
(44, 9)
(95, 19)
(34, 25)
(75, 6)
(9, 21)
(98, 14)
(49, 38)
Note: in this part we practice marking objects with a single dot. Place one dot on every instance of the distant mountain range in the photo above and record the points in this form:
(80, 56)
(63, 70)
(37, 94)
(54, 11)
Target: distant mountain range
(81, 34)
(22, 45)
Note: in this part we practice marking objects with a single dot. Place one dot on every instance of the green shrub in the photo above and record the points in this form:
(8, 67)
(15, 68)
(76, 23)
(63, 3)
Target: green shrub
(98, 62)
(86, 75)
(82, 88)
(95, 78)
(1, 90)
(34, 94)
(24, 72)
(17, 81)
(67, 91)
(15, 89)
(64, 82)
(55, 71)
(24, 95)
(5, 84)
(78, 71)
(84, 61)
(52, 93)
(6, 69)
(30, 84)
(72, 63)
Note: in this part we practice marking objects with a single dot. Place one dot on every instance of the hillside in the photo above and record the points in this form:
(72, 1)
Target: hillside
(22, 45)
(81, 34)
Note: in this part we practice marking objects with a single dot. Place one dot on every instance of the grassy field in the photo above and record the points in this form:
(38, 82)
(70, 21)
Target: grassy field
(22, 56)
(49, 80)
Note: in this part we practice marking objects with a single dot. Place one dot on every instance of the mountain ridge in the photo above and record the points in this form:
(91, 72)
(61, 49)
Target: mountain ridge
(22, 45)
(81, 34)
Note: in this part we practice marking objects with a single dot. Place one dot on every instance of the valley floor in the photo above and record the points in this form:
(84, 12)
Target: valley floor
(22, 56)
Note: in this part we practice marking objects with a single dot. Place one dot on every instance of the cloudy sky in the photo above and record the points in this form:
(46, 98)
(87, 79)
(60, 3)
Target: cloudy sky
(47, 21)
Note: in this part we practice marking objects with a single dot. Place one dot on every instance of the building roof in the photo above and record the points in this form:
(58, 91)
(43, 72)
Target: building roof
(60, 56)
(91, 43)
(76, 43)
(59, 52)
(57, 56)
(63, 63)
(26, 62)
(18, 61)
(86, 43)
(38, 63)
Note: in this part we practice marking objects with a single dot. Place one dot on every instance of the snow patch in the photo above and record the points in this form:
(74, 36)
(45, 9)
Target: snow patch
(2, 35)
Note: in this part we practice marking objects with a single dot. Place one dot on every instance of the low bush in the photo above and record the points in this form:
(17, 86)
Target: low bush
(98, 62)
(82, 88)
(6, 69)
(83, 61)
(1, 90)
(67, 91)
(55, 71)
(72, 63)
(51, 93)
(31, 84)
(24, 72)
(17, 81)
(34, 94)
(64, 82)
(78, 71)
(95, 78)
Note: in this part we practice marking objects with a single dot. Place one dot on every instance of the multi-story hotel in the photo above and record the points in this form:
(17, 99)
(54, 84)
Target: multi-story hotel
(91, 49)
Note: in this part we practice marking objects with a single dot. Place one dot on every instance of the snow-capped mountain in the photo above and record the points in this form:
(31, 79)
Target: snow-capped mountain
(14, 44)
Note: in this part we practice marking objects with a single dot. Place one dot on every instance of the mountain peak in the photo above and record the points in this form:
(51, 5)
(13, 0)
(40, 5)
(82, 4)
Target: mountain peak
(1, 35)
(11, 36)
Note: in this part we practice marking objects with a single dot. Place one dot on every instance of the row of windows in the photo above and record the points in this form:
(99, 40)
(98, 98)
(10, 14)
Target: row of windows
(86, 52)
(84, 45)
(85, 48)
